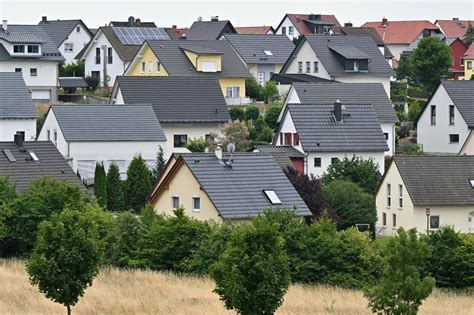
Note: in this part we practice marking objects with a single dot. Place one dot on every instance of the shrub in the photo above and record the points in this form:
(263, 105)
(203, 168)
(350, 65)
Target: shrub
(236, 133)
(415, 108)
(138, 184)
(271, 116)
(115, 200)
(125, 235)
(252, 88)
(7, 191)
(196, 145)
(251, 113)
(260, 132)
(269, 92)
(405, 147)
(236, 113)
(92, 82)
(74, 69)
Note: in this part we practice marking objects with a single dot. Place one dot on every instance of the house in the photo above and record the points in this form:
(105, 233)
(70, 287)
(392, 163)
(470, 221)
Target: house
(468, 59)
(187, 107)
(458, 50)
(260, 30)
(398, 35)
(22, 162)
(296, 25)
(285, 81)
(209, 30)
(87, 134)
(205, 58)
(264, 55)
(447, 121)
(224, 187)
(69, 36)
(28, 49)
(113, 47)
(454, 28)
(327, 132)
(17, 111)
(285, 156)
(349, 59)
(426, 192)
(372, 93)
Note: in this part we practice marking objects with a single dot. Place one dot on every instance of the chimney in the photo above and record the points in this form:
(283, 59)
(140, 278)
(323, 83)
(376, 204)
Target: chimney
(384, 21)
(138, 22)
(455, 19)
(174, 26)
(44, 19)
(338, 110)
(348, 24)
(18, 138)
(218, 152)
(214, 18)
(5, 25)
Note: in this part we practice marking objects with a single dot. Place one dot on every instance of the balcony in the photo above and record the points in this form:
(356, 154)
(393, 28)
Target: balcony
(237, 101)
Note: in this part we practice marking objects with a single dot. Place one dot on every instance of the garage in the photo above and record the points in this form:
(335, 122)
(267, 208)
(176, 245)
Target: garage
(41, 94)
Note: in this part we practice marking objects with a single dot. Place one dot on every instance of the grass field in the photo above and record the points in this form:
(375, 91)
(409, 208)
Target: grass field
(142, 292)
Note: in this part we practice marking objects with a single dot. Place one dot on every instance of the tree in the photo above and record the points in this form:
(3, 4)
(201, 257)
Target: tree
(236, 113)
(138, 184)
(270, 92)
(415, 108)
(159, 164)
(236, 133)
(364, 173)
(125, 234)
(7, 191)
(260, 132)
(252, 88)
(404, 70)
(402, 287)
(252, 275)
(196, 145)
(251, 113)
(66, 257)
(352, 205)
(467, 39)
(100, 184)
(115, 200)
(271, 116)
(74, 69)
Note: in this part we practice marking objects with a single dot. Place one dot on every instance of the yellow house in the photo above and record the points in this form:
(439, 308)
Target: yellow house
(426, 192)
(191, 58)
(468, 63)
(213, 186)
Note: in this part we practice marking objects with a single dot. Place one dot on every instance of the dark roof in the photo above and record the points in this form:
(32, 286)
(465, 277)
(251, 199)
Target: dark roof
(177, 99)
(51, 163)
(237, 191)
(15, 99)
(72, 82)
(461, 93)
(300, 21)
(59, 30)
(85, 123)
(30, 34)
(324, 45)
(372, 93)
(362, 32)
(209, 30)
(252, 48)
(359, 130)
(282, 154)
(127, 24)
(437, 180)
(176, 63)
(290, 78)
(348, 52)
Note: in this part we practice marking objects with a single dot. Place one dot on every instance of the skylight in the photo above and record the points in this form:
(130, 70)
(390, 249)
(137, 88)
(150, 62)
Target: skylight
(268, 52)
(9, 155)
(272, 196)
(33, 155)
(472, 183)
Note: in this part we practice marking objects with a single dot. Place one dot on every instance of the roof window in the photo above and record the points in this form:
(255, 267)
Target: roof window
(268, 53)
(272, 196)
(33, 156)
(9, 155)
(471, 181)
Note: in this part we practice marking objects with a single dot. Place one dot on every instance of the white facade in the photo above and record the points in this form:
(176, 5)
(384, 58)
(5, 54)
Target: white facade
(9, 127)
(74, 43)
(290, 29)
(263, 72)
(397, 49)
(435, 138)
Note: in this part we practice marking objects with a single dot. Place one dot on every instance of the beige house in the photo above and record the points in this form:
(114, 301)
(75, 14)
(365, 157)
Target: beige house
(213, 186)
(426, 192)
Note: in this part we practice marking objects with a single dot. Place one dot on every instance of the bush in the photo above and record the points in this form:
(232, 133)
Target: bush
(406, 147)
(125, 235)
(252, 88)
(196, 145)
(92, 82)
(271, 116)
(415, 108)
(74, 69)
(260, 132)
(269, 92)
(7, 191)
(138, 184)
(236, 113)
(251, 113)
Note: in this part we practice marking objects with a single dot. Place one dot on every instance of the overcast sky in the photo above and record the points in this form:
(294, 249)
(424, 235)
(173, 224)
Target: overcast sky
(241, 13)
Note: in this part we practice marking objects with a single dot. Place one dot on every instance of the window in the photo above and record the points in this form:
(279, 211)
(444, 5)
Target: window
(384, 219)
(180, 141)
(296, 139)
(33, 72)
(469, 65)
(233, 92)
(48, 135)
(389, 195)
(283, 30)
(175, 202)
(356, 65)
(196, 204)
(281, 138)
(300, 66)
(78, 29)
(33, 49)
(55, 133)
(386, 135)
(317, 162)
(19, 49)
(68, 47)
(110, 55)
(454, 138)
(308, 66)
(291, 30)
(143, 67)
(288, 138)
(334, 160)
(451, 114)
(272, 197)
(471, 181)
(97, 55)
(394, 220)
(150, 66)
(209, 66)
(268, 53)
(462, 62)
(158, 66)
(95, 75)
(434, 222)
(433, 115)
(18, 70)
(316, 67)
(400, 196)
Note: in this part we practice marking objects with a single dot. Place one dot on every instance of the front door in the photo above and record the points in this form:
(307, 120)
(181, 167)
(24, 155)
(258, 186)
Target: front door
(261, 78)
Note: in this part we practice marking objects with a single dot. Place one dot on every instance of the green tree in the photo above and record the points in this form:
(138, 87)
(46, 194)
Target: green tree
(364, 173)
(251, 113)
(271, 116)
(196, 145)
(138, 184)
(415, 108)
(125, 235)
(159, 164)
(352, 205)
(402, 287)
(7, 191)
(252, 275)
(404, 70)
(100, 184)
(238, 134)
(468, 36)
(270, 92)
(252, 88)
(66, 257)
(260, 132)
(236, 113)
(115, 200)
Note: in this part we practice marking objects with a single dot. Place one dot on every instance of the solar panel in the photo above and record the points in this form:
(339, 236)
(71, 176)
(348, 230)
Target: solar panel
(137, 35)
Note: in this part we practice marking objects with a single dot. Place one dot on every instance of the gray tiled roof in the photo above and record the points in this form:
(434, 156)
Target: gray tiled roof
(84, 123)
(51, 163)
(289, 78)
(251, 47)
(72, 82)
(437, 180)
(362, 32)
(15, 99)
(176, 63)
(59, 30)
(177, 99)
(237, 191)
(359, 130)
(373, 93)
(282, 154)
(348, 52)
(209, 30)
(462, 94)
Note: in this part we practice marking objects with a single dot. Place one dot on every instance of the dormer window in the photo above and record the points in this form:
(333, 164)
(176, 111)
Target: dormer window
(19, 49)
(33, 49)
(209, 66)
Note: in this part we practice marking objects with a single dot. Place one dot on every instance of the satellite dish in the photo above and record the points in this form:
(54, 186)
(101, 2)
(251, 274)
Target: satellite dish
(131, 20)
(199, 19)
(231, 148)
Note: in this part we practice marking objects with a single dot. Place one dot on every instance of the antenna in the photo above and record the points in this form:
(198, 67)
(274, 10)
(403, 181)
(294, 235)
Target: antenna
(231, 150)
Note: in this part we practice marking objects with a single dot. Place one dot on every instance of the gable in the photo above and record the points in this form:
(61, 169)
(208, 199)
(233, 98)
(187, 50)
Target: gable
(146, 55)
(304, 53)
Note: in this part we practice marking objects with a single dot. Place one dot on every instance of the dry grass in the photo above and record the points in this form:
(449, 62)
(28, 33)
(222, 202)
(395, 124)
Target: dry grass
(143, 292)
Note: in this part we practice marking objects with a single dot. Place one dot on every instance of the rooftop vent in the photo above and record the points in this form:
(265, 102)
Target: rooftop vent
(384, 21)
(44, 19)
(9, 155)
(471, 181)
(214, 18)
(5, 25)
(348, 24)
(314, 17)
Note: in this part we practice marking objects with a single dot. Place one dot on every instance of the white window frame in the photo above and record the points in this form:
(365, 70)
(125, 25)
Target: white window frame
(300, 66)
(194, 198)
(316, 67)
(234, 92)
(439, 222)
(150, 66)
(308, 66)
(158, 67)
(291, 30)
(173, 198)
(48, 135)
(68, 47)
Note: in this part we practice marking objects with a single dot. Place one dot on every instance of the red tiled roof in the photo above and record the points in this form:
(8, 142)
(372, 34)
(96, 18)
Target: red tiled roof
(254, 29)
(400, 32)
(469, 51)
(298, 21)
(454, 28)
(180, 31)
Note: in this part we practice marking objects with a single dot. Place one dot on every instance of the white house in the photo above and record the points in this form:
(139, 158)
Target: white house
(366, 93)
(328, 132)
(296, 25)
(17, 111)
(426, 192)
(29, 50)
(447, 121)
(87, 134)
(70, 36)
(344, 58)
